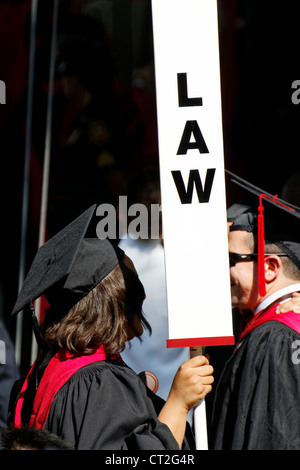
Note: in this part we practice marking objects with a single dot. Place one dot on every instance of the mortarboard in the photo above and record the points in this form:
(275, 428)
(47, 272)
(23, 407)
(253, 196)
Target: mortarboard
(68, 266)
(275, 223)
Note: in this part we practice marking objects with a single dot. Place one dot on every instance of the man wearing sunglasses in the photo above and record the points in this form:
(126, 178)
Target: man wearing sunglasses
(257, 399)
(243, 270)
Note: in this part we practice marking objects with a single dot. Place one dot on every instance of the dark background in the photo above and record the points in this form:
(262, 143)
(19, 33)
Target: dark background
(97, 148)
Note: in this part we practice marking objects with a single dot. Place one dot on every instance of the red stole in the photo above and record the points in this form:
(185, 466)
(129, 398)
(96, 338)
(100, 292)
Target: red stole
(60, 368)
(290, 319)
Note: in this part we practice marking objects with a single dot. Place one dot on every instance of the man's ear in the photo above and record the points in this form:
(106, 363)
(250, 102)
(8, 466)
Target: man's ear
(273, 265)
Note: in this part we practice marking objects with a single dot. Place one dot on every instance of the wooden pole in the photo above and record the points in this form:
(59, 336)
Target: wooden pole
(200, 426)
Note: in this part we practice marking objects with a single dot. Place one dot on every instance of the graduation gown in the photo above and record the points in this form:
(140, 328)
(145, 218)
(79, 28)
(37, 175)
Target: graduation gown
(105, 405)
(257, 400)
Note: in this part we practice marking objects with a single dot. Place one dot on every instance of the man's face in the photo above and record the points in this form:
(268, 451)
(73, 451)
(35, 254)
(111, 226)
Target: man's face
(243, 276)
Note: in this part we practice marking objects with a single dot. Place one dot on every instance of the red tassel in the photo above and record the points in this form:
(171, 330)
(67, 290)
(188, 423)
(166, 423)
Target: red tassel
(261, 242)
(261, 248)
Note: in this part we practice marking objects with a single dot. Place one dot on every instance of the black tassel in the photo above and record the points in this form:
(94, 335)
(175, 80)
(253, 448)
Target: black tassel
(36, 329)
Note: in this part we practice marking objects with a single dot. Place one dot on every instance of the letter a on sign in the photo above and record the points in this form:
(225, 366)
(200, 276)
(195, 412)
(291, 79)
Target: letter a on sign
(192, 172)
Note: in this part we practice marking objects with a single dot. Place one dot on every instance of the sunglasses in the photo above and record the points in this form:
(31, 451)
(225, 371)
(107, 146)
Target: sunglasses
(238, 257)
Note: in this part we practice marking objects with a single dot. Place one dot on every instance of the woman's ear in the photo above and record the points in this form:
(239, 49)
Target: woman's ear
(273, 265)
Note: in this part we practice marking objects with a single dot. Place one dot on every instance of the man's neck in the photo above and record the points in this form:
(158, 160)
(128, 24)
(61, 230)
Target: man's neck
(273, 297)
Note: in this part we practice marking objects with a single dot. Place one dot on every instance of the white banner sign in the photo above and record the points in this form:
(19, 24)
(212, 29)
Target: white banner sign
(192, 172)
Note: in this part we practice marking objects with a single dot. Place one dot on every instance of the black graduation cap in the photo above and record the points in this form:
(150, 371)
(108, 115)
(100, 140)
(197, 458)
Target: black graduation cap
(68, 266)
(278, 223)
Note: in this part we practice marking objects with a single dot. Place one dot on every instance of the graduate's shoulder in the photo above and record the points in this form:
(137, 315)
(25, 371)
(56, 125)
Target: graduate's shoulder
(269, 336)
(276, 328)
(99, 375)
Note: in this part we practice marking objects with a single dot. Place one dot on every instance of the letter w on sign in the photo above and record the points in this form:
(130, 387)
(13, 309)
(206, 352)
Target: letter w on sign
(186, 195)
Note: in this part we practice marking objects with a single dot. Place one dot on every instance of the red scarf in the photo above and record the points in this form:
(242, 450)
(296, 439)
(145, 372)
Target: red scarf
(290, 319)
(60, 368)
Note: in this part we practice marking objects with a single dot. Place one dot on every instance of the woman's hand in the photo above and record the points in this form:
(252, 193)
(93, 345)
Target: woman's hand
(192, 382)
(292, 304)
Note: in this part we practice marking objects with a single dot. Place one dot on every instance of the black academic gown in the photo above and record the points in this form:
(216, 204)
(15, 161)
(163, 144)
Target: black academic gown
(106, 406)
(257, 401)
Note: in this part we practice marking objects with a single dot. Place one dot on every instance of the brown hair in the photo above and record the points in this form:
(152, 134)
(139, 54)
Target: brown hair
(289, 268)
(101, 317)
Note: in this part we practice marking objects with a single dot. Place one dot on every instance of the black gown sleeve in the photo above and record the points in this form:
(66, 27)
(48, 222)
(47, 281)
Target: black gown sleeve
(257, 403)
(106, 406)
